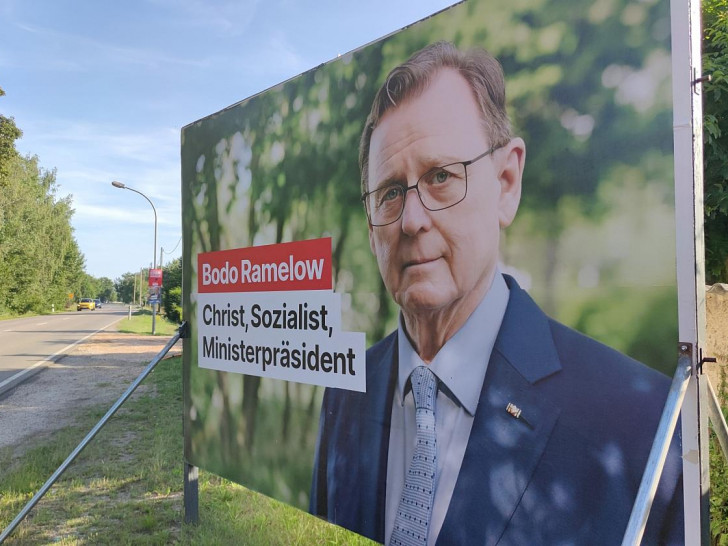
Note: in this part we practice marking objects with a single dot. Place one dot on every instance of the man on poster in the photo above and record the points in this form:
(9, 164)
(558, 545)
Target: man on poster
(524, 431)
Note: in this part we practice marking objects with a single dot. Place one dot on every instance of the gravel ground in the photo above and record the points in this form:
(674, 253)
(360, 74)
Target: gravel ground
(95, 372)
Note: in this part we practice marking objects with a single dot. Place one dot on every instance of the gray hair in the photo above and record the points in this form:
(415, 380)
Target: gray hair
(481, 71)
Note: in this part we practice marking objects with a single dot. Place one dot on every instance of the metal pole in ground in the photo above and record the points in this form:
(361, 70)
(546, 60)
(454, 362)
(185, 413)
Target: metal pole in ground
(191, 494)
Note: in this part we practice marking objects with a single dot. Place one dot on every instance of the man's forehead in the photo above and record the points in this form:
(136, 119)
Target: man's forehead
(440, 125)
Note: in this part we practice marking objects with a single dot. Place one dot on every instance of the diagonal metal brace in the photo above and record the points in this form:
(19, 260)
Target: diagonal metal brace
(717, 419)
(658, 453)
(61, 469)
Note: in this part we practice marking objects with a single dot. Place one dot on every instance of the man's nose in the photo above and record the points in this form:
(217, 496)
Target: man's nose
(415, 216)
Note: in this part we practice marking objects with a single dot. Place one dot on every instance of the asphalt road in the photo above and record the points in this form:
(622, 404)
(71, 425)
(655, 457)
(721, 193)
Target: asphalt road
(28, 344)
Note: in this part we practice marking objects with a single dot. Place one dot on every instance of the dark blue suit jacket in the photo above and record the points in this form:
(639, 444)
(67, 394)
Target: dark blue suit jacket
(568, 475)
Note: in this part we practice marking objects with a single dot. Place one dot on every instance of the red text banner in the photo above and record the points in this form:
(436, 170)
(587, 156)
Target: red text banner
(299, 265)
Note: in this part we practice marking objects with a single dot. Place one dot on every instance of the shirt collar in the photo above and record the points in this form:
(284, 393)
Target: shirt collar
(461, 363)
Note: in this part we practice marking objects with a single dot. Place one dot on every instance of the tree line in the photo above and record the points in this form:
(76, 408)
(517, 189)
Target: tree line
(40, 261)
(41, 264)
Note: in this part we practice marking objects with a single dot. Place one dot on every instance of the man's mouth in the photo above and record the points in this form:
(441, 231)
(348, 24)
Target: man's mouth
(418, 261)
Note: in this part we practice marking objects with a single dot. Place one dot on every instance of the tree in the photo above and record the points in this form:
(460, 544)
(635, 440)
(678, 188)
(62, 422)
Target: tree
(40, 262)
(39, 257)
(9, 133)
(88, 286)
(172, 290)
(106, 289)
(715, 137)
(130, 285)
(124, 286)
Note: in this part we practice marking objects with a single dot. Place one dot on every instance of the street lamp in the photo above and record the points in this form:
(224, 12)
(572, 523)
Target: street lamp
(123, 186)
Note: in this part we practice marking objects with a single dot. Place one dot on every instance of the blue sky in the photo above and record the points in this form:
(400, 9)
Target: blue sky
(101, 90)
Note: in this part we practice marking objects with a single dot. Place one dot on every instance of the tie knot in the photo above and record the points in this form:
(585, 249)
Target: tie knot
(424, 387)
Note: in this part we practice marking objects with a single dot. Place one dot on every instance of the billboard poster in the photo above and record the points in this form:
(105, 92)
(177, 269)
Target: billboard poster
(155, 277)
(447, 257)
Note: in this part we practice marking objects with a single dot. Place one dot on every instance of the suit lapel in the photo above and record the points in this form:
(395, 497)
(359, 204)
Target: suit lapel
(374, 439)
(503, 450)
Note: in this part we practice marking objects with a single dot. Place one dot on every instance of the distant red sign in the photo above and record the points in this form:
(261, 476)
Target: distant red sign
(155, 277)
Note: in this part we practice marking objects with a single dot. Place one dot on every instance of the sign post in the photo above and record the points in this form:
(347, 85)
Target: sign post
(155, 285)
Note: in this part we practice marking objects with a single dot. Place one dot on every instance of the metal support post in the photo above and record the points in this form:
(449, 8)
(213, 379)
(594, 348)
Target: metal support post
(191, 494)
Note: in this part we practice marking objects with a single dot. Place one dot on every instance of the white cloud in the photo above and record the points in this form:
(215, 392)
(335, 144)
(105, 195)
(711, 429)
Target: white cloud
(135, 212)
(229, 16)
(97, 52)
(85, 141)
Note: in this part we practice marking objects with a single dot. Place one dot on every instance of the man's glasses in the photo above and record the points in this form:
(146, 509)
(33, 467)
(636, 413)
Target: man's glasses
(439, 188)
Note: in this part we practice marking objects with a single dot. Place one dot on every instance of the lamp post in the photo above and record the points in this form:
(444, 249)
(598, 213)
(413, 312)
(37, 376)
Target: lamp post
(117, 184)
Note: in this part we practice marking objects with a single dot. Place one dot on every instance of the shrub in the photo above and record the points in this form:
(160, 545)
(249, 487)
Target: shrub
(172, 303)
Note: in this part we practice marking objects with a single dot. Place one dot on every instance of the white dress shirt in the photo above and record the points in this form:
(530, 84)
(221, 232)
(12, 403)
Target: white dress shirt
(460, 367)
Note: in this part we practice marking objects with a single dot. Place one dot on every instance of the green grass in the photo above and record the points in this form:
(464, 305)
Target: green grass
(719, 474)
(7, 315)
(10, 316)
(141, 323)
(126, 486)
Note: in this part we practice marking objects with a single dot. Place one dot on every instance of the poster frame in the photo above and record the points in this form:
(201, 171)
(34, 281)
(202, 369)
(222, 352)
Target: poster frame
(688, 172)
(688, 176)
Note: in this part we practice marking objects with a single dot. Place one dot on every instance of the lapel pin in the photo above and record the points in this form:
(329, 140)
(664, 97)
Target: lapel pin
(515, 411)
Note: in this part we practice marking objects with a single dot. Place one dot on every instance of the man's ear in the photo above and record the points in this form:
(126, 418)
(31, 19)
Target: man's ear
(513, 157)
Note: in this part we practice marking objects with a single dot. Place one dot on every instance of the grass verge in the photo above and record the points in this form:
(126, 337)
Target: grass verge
(141, 323)
(10, 316)
(719, 474)
(126, 486)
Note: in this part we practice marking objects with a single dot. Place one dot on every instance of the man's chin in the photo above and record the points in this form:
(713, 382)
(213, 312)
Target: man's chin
(422, 300)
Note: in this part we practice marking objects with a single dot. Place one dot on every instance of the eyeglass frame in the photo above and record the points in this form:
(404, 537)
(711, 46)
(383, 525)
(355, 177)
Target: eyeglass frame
(406, 189)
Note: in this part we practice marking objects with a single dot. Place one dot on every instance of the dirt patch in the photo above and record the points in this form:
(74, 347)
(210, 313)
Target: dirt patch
(97, 371)
(716, 316)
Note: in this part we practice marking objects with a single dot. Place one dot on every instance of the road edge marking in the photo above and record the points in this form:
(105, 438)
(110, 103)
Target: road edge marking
(14, 380)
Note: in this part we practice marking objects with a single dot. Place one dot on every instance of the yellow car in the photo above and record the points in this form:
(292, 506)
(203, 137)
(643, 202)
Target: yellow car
(86, 303)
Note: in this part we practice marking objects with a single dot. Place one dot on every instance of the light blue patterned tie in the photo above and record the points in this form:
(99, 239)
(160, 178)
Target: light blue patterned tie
(415, 507)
